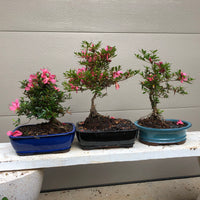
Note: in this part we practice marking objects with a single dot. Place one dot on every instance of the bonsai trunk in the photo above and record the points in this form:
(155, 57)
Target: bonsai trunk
(155, 114)
(93, 111)
(57, 124)
(95, 120)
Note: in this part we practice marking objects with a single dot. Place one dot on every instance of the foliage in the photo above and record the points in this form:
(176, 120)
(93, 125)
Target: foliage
(157, 79)
(42, 98)
(96, 75)
(5, 198)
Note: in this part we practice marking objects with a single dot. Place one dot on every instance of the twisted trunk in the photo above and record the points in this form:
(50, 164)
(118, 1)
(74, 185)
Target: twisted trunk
(155, 113)
(93, 111)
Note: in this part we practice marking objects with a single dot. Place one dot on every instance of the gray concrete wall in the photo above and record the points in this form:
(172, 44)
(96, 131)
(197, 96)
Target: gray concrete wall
(37, 34)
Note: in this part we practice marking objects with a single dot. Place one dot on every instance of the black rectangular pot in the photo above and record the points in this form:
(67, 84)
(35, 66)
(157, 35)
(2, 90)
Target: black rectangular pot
(105, 139)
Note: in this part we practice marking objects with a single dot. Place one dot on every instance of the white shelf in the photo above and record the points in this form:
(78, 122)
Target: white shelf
(9, 160)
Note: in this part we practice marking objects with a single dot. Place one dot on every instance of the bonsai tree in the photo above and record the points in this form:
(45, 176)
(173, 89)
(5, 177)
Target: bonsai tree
(157, 81)
(42, 100)
(96, 75)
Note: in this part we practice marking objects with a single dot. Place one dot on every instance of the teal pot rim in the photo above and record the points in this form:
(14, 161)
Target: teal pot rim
(165, 130)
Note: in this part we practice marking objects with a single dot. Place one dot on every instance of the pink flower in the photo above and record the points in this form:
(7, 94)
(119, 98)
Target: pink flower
(43, 75)
(151, 78)
(179, 122)
(183, 77)
(81, 70)
(107, 48)
(112, 118)
(117, 74)
(116, 86)
(45, 80)
(30, 85)
(150, 60)
(15, 133)
(15, 105)
(52, 78)
(160, 63)
(76, 88)
(162, 70)
(27, 88)
(32, 77)
(90, 59)
(45, 71)
(56, 88)
(101, 76)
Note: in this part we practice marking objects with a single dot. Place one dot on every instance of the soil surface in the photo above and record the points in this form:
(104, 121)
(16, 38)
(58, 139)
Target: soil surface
(159, 123)
(44, 129)
(105, 123)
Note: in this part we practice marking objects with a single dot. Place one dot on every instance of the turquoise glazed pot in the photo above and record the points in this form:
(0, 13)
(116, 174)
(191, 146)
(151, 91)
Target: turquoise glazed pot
(155, 136)
(41, 144)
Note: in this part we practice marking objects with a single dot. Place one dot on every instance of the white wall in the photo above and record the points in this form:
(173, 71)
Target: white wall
(37, 34)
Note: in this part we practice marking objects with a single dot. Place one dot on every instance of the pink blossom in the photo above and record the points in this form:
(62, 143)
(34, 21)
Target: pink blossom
(162, 70)
(183, 77)
(45, 71)
(101, 75)
(94, 58)
(159, 63)
(45, 80)
(15, 133)
(15, 105)
(30, 85)
(52, 79)
(56, 88)
(151, 78)
(32, 77)
(107, 48)
(116, 86)
(117, 74)
(150, 60)
(179, 122)
(80, 70)
(112, 118)
(76, 88)
(72, 86)
(90, 59)
(27, 88)
(43, 75)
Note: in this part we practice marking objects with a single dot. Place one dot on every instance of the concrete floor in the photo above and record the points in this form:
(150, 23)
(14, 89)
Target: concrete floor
(178, 189)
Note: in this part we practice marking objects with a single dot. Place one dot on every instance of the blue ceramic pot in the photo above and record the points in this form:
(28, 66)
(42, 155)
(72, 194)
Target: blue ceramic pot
(155, 136)
(28, 145)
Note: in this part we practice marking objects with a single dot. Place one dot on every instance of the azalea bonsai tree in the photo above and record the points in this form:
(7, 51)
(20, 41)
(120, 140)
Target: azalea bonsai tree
(42, 100)
(157, 83)
(96, 76)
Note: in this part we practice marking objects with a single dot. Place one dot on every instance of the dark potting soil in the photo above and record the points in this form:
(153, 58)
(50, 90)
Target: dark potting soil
(105, 123)
(44, 129)
(159, 123)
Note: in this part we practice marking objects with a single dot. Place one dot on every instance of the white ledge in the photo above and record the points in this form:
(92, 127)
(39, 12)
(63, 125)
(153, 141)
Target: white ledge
(9, 160)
